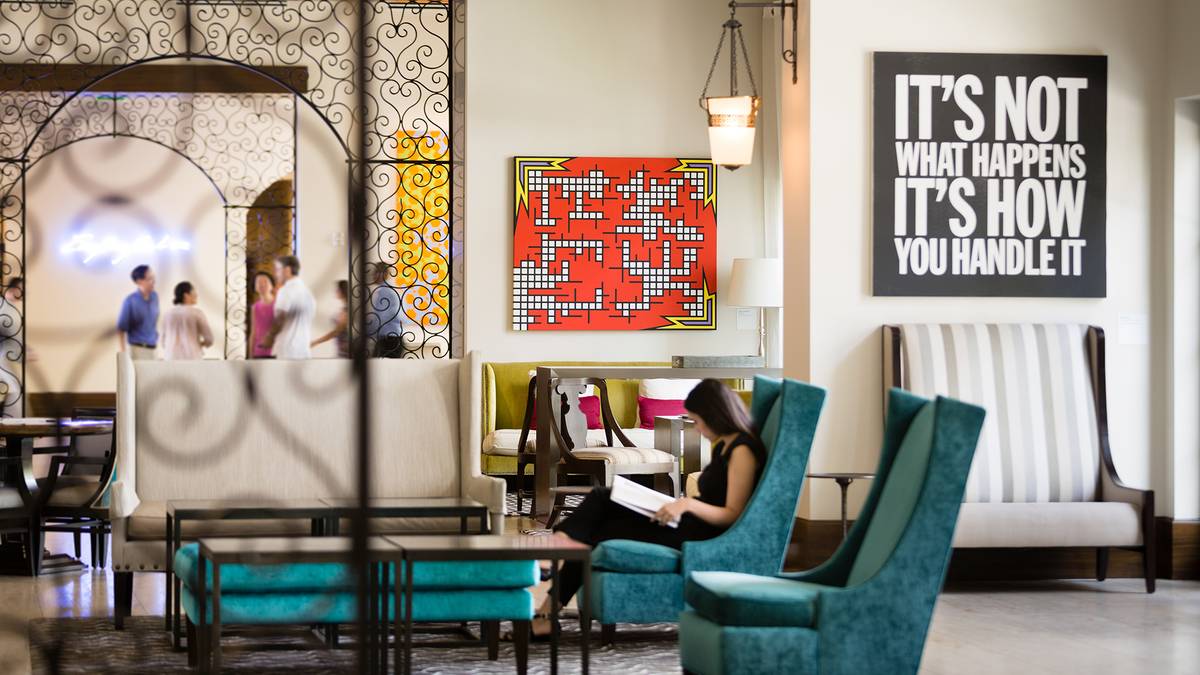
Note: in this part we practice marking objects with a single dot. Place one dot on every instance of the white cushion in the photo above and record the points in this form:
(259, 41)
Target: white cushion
(504, 442)
(671, 390)
(640, 437)
(1024, 525)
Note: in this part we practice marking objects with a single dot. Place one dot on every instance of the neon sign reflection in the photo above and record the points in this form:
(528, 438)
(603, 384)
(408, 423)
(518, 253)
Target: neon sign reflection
(90, 247)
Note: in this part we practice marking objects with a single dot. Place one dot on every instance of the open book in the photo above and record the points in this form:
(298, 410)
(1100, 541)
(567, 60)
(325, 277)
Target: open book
(640, 499)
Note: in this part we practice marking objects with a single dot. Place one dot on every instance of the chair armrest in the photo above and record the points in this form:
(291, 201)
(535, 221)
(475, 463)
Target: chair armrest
(487, 490)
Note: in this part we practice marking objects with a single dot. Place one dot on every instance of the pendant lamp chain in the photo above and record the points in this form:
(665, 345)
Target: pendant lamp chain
(736, 41)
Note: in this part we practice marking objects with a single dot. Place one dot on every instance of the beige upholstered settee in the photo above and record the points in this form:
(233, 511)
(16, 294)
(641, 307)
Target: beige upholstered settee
(1043, 474)
(223, 430)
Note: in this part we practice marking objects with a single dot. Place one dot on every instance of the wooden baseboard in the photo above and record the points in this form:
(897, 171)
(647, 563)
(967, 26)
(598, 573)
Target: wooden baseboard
(60, 404)
(1179, 548)
(1178, 544)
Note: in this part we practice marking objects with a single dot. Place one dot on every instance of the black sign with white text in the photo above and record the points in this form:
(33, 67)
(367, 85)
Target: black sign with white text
(989, 175)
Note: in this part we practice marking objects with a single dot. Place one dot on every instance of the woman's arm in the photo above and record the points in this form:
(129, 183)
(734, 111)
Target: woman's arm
(206, 336)
(338, 327)
(742, 467)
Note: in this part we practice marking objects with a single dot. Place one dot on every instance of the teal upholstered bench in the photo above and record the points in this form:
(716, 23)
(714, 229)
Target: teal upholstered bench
(324, 593)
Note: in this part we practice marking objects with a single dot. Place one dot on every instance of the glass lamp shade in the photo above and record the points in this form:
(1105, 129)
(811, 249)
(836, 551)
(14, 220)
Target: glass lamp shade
(731, 129)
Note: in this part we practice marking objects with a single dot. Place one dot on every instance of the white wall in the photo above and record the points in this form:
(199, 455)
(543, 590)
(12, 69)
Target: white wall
(845, 318)
(618, 78)
(1182, 254)
(71, 307)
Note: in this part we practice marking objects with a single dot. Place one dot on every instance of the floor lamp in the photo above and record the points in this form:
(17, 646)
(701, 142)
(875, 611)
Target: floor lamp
(758, 283)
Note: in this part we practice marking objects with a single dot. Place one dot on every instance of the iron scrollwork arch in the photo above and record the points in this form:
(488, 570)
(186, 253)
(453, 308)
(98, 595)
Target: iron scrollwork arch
(412, 56)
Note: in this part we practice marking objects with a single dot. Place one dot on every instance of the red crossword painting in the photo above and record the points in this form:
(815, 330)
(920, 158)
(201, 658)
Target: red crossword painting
(614, 243)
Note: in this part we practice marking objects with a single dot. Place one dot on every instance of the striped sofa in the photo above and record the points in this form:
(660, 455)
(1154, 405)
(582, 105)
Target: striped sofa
(1043, 474)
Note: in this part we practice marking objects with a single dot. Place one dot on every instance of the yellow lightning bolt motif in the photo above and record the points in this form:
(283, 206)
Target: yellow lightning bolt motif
(522, 167)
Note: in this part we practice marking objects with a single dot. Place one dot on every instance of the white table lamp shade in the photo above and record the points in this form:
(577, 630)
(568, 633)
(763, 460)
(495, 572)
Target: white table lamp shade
(756, 282)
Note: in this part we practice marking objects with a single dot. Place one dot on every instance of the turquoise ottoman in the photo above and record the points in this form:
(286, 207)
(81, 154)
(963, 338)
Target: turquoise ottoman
(324, 593)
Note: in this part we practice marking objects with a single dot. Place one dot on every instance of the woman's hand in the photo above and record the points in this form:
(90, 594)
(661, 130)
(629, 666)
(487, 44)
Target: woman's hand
(673, 511)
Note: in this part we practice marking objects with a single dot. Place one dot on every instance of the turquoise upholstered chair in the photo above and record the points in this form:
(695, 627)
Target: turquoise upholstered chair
(866, 609)
(636, 582)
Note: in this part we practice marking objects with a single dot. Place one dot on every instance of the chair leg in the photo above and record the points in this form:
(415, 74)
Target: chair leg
(93, 545)
(1101, 564)
(1149, 567)
(37, 544)
(123, 605)
(77, 536)
(608, 633)
(191, 643)
(491, 635)
(521, 645)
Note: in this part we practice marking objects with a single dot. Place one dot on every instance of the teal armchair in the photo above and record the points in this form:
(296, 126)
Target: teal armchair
(636, 582)
(867, 608)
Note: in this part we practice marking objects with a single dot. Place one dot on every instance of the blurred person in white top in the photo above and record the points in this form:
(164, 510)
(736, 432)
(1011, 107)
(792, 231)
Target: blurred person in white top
(290, 336)
(185, 331)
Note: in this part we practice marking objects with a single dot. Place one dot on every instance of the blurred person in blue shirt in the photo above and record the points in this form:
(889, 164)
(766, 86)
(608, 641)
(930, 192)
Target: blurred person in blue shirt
(137, 324)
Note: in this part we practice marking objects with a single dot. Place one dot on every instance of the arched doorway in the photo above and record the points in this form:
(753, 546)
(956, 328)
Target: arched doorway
(408, 96)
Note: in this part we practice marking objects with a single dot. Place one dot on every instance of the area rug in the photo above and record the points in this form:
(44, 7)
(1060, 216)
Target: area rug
(70, 646)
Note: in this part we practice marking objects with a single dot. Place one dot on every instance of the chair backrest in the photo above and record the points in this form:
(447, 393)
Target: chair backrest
(894, 561)
(1042, 443)
(505, 391)
(786, 412)
(210, 429)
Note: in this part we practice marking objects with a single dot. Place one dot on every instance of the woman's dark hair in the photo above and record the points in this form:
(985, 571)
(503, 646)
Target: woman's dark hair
(270, 277)
(181, 289)
(343, 287)
(720, 407)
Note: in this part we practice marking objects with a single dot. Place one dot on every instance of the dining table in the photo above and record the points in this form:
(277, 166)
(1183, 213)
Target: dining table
(25, 437)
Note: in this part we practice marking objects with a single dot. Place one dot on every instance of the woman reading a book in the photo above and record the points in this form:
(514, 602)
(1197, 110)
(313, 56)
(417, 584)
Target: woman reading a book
(725, 486)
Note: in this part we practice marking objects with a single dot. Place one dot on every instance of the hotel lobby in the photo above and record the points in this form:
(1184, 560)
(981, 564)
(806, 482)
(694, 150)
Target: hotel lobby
(635, 336)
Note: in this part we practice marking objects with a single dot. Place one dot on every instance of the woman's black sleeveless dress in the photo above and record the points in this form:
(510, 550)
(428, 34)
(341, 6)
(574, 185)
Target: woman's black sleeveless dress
(599, 519)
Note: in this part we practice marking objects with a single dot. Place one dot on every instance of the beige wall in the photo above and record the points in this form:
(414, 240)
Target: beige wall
(71, 307)
(846, 318)
(1181, 252)
(618, 78)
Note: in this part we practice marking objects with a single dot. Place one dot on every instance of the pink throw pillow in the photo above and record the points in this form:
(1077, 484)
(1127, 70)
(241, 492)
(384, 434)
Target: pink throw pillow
(589, 405)
(649, 408)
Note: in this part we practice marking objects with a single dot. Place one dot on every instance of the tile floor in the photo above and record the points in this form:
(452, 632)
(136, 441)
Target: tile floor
(1028, 628)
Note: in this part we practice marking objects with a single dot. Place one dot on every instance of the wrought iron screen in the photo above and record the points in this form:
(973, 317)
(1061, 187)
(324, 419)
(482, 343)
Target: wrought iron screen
(60, 62)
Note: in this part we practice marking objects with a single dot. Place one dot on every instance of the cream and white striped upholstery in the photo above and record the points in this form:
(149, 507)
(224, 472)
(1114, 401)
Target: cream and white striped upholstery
(1039, 441)
(622, 455)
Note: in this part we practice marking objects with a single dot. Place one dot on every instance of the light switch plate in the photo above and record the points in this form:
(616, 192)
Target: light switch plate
(747, 319)
(1133, 329)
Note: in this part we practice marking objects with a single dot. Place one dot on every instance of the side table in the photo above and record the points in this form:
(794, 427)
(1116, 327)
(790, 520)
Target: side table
(843, 480)
(678, 435)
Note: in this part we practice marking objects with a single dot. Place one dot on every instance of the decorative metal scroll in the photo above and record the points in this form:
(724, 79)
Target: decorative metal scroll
(412, 71)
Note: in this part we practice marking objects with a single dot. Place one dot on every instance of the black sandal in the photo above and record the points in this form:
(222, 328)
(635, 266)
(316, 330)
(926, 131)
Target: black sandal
(554, 625)
(507, 635)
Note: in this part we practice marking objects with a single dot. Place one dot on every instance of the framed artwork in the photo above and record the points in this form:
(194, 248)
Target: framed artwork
(614, 243)
(990, 175)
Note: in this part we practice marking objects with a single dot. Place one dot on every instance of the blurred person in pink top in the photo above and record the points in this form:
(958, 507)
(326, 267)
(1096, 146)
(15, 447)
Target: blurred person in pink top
(263, 313)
